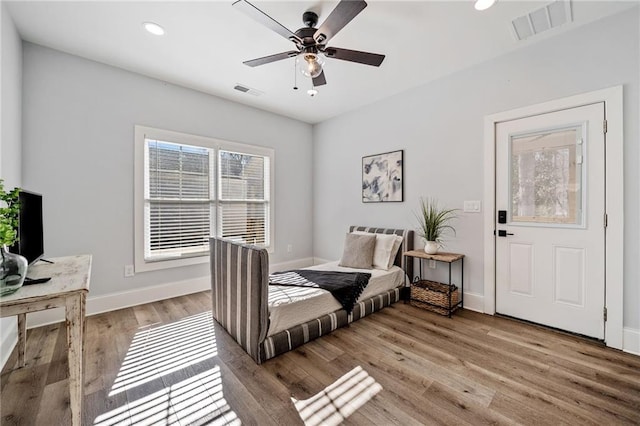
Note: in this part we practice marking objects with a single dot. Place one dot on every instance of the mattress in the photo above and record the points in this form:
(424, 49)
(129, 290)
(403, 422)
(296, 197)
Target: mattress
(290, 306)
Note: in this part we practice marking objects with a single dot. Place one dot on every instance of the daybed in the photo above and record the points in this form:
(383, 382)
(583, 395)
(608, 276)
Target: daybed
(243, 300)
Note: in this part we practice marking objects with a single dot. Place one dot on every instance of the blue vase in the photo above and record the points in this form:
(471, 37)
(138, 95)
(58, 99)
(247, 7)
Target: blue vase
(13, 271)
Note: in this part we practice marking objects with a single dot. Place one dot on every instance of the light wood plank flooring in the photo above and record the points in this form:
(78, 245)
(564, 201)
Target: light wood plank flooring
(168, 363)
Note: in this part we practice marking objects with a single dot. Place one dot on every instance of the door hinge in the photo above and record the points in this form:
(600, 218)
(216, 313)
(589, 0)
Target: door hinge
(604, 126)
(606, 220)
(604, 313)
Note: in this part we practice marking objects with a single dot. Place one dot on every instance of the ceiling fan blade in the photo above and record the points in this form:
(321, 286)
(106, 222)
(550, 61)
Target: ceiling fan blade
(344, 12)
(319, 80)
(266, 20)
(366, 58)
(271, 58)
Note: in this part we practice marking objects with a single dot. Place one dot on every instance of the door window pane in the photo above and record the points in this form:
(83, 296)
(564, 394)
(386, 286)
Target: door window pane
(546, 177)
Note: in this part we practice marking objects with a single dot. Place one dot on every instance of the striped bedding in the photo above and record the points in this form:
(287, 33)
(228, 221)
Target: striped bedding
(239, 291)
(290, 306)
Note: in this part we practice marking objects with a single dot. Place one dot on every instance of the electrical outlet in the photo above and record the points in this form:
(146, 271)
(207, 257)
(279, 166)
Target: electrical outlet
(432, 264)
(129, 271)
(289, 248)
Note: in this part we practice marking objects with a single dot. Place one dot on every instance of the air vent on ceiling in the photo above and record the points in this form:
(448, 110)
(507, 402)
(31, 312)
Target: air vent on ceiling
(550, 16)
(246, 89)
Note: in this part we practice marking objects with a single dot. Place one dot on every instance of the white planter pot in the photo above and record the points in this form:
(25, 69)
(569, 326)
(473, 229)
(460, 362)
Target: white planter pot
(431, 247)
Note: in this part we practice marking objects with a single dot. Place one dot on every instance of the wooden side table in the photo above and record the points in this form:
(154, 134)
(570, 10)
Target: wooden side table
(444, 294)
(68, 288)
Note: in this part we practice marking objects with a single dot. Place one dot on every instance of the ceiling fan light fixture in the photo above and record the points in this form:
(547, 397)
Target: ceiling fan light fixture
(484, 4)
(311, 65)
(153, 28)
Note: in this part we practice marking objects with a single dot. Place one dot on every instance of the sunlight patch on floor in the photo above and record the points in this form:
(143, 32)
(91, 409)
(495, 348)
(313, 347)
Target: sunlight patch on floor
(338, 400)
(197, 400)
(158, 351)
(152, 376)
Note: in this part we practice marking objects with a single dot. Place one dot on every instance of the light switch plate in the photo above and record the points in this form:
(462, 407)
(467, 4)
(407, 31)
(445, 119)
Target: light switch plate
(472, 206)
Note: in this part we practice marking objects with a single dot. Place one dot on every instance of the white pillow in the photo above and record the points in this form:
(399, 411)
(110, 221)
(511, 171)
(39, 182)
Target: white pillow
(385, 250)
(394, 250)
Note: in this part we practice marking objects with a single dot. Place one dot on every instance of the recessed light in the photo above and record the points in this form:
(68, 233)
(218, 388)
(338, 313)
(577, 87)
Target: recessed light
(153, 28)
(484, 4)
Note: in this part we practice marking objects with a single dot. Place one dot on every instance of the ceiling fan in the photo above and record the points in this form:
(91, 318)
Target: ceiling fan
(311, 42)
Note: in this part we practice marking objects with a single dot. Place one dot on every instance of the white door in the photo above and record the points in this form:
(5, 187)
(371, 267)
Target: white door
(550, 230)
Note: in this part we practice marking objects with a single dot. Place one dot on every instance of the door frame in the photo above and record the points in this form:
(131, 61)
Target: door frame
(614, 200)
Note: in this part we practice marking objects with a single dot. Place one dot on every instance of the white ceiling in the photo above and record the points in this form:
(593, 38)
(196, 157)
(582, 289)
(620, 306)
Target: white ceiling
(206, 42)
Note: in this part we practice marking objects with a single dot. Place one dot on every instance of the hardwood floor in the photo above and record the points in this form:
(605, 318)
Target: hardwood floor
(168, 363)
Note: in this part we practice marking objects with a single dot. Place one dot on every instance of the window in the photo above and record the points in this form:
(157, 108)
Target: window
(546, 177)
(243, 208)
(189, 188)
(178, 199)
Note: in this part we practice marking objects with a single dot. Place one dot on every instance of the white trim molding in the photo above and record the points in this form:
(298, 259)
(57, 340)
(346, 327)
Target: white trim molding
(474, 302)
(291, 264)
(614, 243)
(114, 301)
(631, 341)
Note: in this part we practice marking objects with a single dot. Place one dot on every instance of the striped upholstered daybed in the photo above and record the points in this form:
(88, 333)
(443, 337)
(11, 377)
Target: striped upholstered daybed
(240, 292)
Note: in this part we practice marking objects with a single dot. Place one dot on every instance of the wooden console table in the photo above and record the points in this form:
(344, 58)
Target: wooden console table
(68, 288)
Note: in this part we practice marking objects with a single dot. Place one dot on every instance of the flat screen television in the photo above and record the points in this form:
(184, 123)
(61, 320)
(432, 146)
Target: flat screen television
(30, 237)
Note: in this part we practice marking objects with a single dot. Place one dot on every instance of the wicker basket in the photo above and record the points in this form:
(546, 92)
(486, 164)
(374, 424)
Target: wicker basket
(434, 296)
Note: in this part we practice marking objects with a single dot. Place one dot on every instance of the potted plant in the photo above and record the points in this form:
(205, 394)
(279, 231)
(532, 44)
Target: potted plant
(13, 268)
(434, 222)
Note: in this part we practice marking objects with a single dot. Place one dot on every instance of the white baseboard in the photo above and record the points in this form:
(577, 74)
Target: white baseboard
(291, 264)
(631, 340)
(8, 338)
(474, 302)
(125, 299)
(320, 261)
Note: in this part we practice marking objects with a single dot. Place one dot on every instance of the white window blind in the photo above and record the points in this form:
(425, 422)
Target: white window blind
(189, 188)
(243, 206)
(179, 200)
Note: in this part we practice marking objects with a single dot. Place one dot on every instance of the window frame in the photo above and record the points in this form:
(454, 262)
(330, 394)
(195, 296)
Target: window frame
(141, 133)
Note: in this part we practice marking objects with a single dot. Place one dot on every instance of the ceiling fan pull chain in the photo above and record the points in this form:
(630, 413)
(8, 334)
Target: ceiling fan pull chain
(295, 75)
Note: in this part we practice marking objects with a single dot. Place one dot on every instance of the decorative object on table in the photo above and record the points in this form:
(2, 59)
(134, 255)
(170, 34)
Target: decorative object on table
(382, 177)
(434, 223)
(13, 268)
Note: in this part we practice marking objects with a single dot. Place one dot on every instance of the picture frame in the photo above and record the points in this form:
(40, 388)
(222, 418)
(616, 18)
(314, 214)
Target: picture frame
(383, 177)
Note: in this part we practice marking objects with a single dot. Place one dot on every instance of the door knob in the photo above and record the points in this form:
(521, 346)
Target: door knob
(503, 233)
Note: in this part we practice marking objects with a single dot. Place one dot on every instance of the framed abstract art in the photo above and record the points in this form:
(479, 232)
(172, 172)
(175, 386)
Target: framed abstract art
(382, 177)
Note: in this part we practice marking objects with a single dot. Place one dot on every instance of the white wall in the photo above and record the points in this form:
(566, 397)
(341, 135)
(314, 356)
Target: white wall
(11, 135)
(440, 127)
(11, 70)
(78, 150)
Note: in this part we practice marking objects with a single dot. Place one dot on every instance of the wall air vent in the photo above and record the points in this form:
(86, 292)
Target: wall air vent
(550, 16)
(246, 89)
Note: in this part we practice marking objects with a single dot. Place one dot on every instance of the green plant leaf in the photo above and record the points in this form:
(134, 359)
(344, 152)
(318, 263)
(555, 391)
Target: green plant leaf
(9, 215)
(434, 221)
